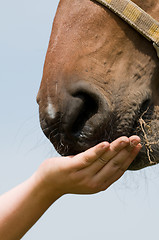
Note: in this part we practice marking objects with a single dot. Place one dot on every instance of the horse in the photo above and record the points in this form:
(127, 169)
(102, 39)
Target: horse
(100, 81)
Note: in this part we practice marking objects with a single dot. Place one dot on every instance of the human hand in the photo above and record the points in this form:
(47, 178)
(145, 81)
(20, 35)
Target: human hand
(91, 171)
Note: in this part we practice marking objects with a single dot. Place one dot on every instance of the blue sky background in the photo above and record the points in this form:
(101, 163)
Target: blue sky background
(127, 210)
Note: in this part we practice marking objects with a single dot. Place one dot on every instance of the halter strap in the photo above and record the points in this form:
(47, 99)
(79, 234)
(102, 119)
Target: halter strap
(136, 17)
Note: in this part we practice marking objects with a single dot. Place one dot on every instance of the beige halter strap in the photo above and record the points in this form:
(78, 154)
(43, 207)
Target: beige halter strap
(135, 17)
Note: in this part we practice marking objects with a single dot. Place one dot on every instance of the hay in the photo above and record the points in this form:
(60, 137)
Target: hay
(145, 127)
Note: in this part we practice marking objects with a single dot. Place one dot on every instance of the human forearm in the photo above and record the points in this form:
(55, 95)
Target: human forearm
(21, 207)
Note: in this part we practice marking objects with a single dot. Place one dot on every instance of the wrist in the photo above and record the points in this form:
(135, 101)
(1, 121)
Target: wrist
(46, 191)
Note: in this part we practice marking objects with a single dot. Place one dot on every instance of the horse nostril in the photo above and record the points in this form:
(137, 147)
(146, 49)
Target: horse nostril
(89, 108)
(82, 107)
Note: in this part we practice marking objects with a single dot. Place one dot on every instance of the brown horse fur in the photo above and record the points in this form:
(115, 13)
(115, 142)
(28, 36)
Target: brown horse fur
(100, 81)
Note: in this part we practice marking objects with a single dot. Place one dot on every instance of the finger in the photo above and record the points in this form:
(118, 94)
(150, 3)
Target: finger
(86, 158)
(134, 140)
(116, 146)
(119, 163)
(117, 174)
(121, 143)
(133, 155)
(121, 158)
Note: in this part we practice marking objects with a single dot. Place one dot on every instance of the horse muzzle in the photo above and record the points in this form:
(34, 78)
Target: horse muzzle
(77, 120)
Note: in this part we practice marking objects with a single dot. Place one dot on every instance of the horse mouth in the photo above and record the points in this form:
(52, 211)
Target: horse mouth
(88, 136)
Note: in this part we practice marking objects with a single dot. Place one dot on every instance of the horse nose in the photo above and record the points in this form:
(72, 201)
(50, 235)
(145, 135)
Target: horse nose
(84, 111)
(80, 107)
(76, 119)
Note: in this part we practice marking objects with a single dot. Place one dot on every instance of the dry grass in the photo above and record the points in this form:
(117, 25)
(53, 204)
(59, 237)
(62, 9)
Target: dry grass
(146, 128)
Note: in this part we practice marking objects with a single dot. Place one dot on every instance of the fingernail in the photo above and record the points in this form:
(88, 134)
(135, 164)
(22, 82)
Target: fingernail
(105, 145)
(134, 143)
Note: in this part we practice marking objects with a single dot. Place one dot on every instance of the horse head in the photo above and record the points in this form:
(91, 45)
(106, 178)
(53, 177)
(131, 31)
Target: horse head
(100, 81)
